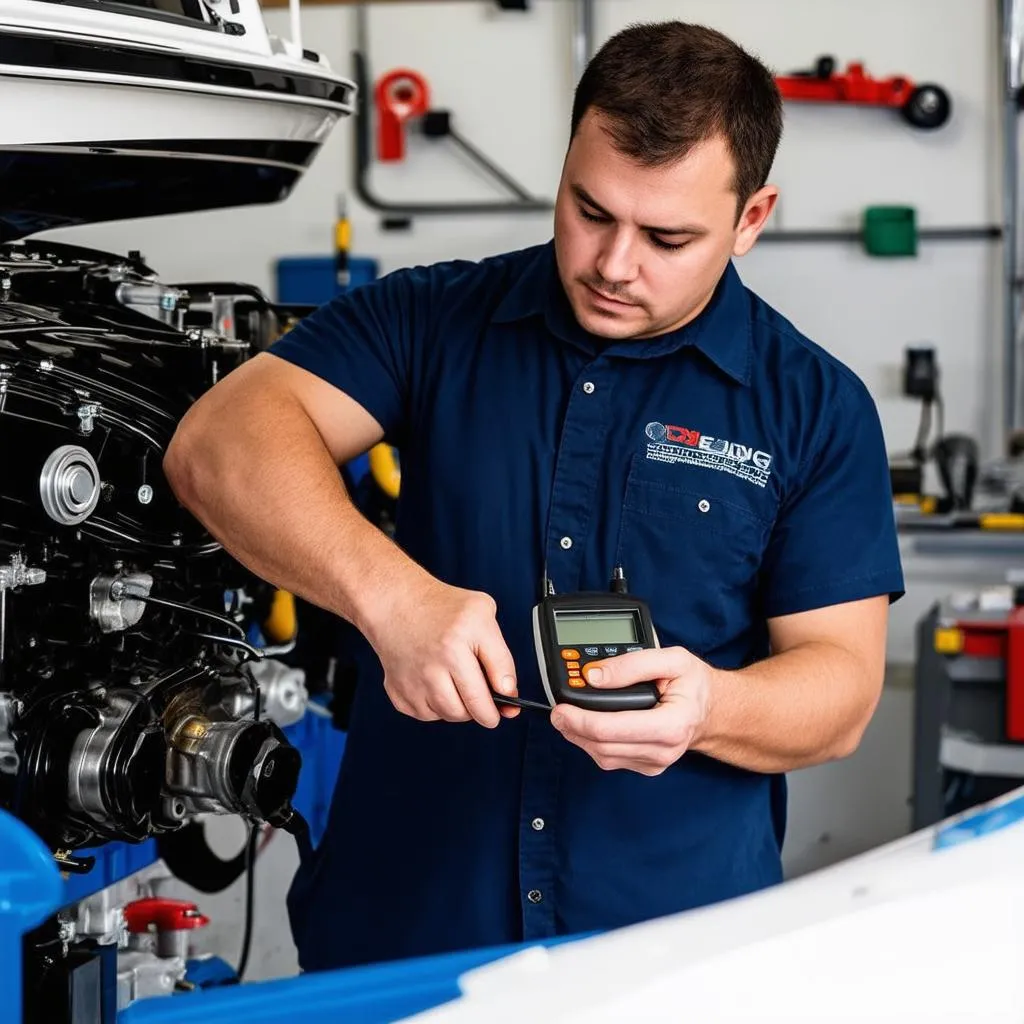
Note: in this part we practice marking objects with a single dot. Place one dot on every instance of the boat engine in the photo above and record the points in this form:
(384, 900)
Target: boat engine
(131, 654)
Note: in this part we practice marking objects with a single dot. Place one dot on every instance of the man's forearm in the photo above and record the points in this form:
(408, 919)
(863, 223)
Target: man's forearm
(271, 494)
(801, 707)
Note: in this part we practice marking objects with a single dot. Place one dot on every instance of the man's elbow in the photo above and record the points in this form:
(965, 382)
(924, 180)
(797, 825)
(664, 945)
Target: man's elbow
(180, 465)
(847, 744)
(849, 740)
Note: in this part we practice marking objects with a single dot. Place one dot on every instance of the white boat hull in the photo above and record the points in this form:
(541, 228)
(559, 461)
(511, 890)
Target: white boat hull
(46, 111)
(128, 111)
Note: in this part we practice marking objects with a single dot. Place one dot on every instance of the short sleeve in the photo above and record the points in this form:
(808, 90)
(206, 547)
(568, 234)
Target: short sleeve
(363, 342)
(835, 539)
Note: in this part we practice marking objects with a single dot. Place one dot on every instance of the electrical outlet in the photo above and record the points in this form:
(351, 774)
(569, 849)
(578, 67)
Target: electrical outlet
(920, 374)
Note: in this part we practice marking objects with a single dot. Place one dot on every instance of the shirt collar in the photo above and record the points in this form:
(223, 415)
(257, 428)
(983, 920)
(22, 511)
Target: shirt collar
(722, 330)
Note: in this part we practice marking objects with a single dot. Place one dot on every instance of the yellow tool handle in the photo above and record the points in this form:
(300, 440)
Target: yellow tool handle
(385, 470)
(1001, 521)
(343, 235)
(282, 624)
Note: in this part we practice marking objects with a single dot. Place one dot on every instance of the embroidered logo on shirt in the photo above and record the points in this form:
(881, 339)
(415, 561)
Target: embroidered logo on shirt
(670, 443)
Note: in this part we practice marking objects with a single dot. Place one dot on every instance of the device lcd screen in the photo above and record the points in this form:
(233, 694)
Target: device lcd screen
(596, 628)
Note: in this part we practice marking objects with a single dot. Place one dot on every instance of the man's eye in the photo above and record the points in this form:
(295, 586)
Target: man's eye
(670, 246)
(594, 218)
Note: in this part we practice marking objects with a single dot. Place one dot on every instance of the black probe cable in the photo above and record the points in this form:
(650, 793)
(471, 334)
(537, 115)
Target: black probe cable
(520, 702)
(250, 868)
(250, 899)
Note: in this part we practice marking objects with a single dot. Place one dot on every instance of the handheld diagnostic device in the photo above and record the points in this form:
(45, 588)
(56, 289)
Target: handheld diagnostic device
(572, 630)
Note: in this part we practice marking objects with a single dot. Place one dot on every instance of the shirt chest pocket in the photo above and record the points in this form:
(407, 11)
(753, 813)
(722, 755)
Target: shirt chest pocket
(693, 550)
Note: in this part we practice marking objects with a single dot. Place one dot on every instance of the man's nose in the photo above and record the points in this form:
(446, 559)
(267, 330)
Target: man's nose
(617, 262)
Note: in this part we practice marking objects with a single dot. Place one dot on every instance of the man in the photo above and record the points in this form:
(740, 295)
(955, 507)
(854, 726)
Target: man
(616, 398)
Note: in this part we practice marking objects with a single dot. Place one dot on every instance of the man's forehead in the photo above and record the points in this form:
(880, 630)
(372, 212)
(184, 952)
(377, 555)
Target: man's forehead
(705, 167)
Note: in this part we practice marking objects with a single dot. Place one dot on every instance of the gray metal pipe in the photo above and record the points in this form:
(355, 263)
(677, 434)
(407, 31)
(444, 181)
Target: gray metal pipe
(582, 37)
(1010, 13)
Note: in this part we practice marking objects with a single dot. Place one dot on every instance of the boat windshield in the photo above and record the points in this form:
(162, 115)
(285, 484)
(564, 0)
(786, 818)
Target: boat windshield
(190, 10)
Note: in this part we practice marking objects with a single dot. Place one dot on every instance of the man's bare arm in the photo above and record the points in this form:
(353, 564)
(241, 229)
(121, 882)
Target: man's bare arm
(811, 700)
(807, 703)
(256, 461)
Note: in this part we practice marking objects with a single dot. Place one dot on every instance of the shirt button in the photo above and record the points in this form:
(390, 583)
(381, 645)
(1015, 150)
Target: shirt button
(566, 543)
(538, 824)
(535, 896)
(588, 387)
(704, 505)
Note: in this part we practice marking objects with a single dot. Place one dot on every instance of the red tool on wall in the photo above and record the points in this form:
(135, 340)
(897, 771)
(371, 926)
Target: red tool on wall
(922, 105)
(401, 99)
(400, 95)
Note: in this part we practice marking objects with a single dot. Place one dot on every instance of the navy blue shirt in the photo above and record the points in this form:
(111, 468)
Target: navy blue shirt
(736, 470)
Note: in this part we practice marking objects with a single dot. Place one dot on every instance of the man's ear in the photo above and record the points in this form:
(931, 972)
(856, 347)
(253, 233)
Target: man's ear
(754, 217)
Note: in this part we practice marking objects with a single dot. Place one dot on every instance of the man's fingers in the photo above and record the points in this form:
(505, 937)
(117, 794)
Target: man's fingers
(497, 662)
(474, 691)
(638, 667)
(636, 757)
(440, 696)
(649, 726)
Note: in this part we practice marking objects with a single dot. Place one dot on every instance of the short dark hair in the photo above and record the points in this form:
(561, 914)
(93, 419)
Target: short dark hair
(666, 87)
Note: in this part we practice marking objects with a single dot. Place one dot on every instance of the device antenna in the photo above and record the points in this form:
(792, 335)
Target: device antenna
(619, 584)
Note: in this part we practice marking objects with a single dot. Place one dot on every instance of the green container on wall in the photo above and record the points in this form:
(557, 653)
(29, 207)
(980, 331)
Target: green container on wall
(890, 231)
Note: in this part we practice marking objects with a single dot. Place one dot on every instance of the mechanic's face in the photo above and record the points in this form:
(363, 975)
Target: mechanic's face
(640, 249)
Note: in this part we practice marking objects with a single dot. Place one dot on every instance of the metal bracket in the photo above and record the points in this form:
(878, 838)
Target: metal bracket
(524, 203)
(18, 574)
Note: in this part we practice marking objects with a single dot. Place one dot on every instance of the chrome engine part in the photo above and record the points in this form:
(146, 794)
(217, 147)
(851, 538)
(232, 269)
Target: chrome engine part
(283, 695)
(128, 700)
(142, 975)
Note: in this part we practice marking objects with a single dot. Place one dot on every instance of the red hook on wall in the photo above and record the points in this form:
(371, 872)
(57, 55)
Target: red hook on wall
(399, 95)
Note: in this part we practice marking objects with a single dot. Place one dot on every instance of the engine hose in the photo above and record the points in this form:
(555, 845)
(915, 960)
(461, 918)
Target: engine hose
(189, 857)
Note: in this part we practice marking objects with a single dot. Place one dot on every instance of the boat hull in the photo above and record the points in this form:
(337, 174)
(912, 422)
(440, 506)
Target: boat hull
(113, 129)
(110, 152)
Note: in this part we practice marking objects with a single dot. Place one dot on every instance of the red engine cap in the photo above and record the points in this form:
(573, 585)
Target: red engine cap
(166, 915)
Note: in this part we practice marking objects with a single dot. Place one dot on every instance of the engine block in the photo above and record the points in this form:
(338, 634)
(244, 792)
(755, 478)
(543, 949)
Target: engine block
(129, 640)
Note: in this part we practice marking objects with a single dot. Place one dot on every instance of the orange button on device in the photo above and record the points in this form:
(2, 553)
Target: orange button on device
(572, 664)
(577, 684)
(574, 673)
(571, 655)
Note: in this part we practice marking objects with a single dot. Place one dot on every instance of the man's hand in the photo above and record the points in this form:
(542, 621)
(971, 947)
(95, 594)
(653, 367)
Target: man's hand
(442, 653)
(642, 741)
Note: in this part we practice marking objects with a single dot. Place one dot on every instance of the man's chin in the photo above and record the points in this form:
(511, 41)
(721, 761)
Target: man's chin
(613, 327)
